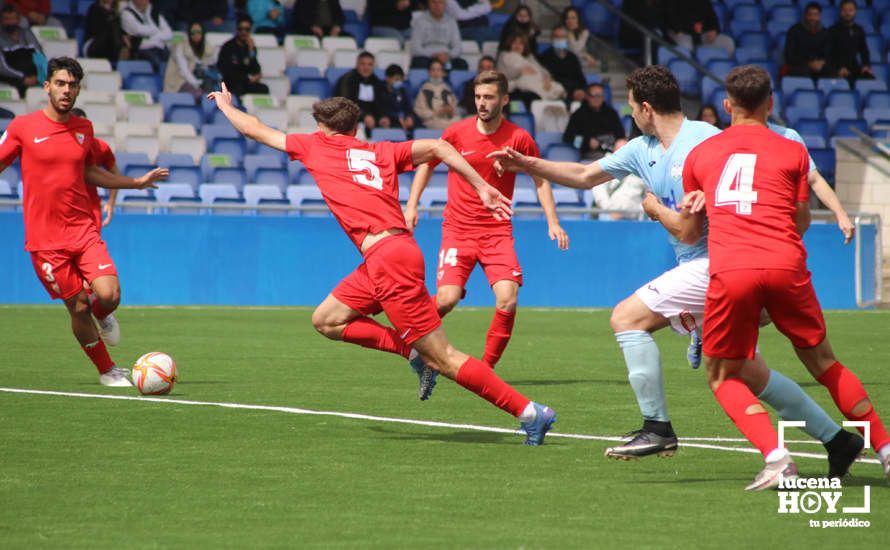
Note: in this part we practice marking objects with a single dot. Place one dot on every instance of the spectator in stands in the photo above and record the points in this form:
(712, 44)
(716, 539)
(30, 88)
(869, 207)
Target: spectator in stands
(435, 103)
(708, 113)
(693, 23)
(365, 88)
(319, 17)
(19, 48)
(103, 36)
(268, 17)
(237, 61)
(192, 67)
(807, 44)
(211, 13)
(35, 12)
(521, 22)
(595, 127)
(397, 101)
(621, 194)
(435, 35)
(150, 34)
(848, 54)
(468, 96)
(472, 19)
(392, 18)
(579, 37)
(564, 66)
(526, 77)
(651, 14)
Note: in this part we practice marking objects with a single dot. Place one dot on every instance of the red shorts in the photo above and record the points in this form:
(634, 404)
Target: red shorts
(63, 272)
(459, 254)
(734, 302)
(391, 279)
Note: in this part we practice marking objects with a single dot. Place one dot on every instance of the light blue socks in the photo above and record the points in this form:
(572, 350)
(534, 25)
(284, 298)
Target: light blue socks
(792, 403)
(644, 372)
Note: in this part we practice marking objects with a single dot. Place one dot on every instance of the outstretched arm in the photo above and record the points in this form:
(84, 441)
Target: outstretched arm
(103, 178)
(826, 194)
(545, 197)
(425, 150)
(249, 125)
(108, 207)
(421, 178)
(682, 224)
(570, 174)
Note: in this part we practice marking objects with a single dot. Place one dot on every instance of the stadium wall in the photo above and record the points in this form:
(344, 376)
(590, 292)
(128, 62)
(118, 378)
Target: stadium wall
(260, 260)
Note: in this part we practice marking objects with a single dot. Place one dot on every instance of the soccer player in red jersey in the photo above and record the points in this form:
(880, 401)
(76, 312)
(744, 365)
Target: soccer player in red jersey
(61, 226)
(753, 185)
(359, 182)
(104, 157)
(470, 234)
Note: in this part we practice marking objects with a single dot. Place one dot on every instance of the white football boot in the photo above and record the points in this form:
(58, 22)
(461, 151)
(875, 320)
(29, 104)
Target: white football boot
(109, 330)
(116, 377)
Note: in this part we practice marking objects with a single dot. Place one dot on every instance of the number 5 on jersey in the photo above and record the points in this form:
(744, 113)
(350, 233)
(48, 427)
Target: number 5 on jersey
(362, 161)
(736, 185)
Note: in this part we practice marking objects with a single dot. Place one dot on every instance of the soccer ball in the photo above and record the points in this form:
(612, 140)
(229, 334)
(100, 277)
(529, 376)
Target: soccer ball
(154, 374)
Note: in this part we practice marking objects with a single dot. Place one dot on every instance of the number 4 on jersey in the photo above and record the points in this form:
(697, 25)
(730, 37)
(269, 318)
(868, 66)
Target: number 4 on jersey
(736, 185)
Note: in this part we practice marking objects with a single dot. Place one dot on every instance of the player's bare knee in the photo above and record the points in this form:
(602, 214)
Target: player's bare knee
(506, 304)
(618, 319)
(78, 306)
(323, 324)
(446, 301)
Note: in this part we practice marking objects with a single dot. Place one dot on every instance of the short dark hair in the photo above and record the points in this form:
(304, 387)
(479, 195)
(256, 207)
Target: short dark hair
(337, 113)
(242, 17)
(486, 58)
(813, 6)
(64, 64)
(492, 77)
(78, 112)
(748, 86)
(394, 70)
(434, 61)
(657, 86)
(365, 54)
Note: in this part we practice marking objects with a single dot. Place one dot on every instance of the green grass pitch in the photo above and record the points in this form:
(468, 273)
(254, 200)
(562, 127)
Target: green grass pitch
(83, 472)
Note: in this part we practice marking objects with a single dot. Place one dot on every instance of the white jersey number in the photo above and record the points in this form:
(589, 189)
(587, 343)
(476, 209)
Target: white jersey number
(448, 257)
(362, 161)
(736, 185)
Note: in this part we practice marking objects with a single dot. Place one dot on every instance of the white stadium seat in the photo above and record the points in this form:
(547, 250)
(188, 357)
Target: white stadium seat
(209, 192)
(274, 117)
(169, 129)
(294, 103)
(386, 58)
(252, 102)
(279, 86)
(94, 65)
(293, 43)
(217, 39)
(167, 191)
(375, 44)
(253, 193)
(146, 114)
(265, 41)
(317, 58)
(102, 82)
(334, 43)
(469, 46)
(95, 96)
(103, 113)
(43, 33)
(125, 99)
(550, 115)
(194, 146)
(142, 144)
(344, 58)
(272, 60)
(59, 48)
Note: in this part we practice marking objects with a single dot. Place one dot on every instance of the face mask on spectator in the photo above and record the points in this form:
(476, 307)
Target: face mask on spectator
(397, 84)
(561, 44)
(436, 81)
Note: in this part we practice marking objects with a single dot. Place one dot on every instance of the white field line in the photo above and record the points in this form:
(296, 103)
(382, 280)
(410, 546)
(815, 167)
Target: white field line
(687, 441)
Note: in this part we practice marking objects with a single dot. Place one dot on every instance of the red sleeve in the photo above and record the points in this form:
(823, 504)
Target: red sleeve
(526, 145)
(10, 144)
(298, 145)
(402, 156)
(803, 184)
(690, 182)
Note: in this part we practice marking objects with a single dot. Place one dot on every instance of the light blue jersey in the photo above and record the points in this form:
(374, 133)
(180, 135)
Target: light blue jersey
(791, 134)
(663, 173)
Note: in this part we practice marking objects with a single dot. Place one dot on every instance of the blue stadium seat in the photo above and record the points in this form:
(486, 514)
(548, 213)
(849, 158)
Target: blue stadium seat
(770, 66)
(427, 133)
(710, 90)
(416, 78)
(277, 177)
(313, 86)
(834, 114)
(125, 159)
(759, 40)
(233, 175)
(546, 139)
(186, 115)
(526, 121)
(255, 148)
(438, 180)
(168, 160)
(814, 142)
(333, 74)
(296, 72)
(358, 30)
(825, 162)
(866, 17)
(665, 56)
(874, 115)
(829, 15)
(136, 170)
(811, 99)
(236, 148)
(294, 172)
(599, 20)
(170, 190)
(875, 45)
(750, 53)
(793, 83)
(787, 14)
(168, 100)
(150, 83)
(842, 127)
(129, 67)
(562, 152)
(843, 98)
(61, 7)
(793, 115)
(831, 84)
(687, 77)
(256, 192)
(864, 87)
(457, 79)
(706, 54)
(880, 71)
(388, 134)
(811, 127)
(190, 175)
(746, 13)
(254, 162)
(212, 132)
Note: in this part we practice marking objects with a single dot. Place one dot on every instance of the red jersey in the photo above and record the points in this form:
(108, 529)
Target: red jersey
(464, 210)
(358, 180)
(104, 157)
(58, 207)
(753, 179)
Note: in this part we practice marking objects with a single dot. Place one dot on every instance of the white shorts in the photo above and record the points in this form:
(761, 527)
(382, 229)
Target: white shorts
(679, 295)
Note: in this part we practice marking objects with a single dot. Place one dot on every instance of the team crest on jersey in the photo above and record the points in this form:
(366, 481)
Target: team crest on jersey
(80, 137)
(677, 170)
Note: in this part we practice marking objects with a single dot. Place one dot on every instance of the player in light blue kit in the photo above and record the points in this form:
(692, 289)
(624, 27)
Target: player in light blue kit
(675, 298)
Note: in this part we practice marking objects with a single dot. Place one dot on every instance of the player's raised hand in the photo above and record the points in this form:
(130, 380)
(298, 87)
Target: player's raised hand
(496, 202)
(148, 179)
(411, 218)
(694, 201)
(508, 159)
(222, 98)
(558, 234)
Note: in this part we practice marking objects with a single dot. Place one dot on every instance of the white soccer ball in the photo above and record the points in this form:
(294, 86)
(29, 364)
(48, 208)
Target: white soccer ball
(154, 374)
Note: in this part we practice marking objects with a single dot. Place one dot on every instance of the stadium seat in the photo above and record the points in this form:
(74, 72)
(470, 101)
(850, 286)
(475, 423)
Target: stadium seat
(416, 77)
(252, 102)
(811, 99)
(168, 100)
(318, 58)
(296, 194)
(550, 115)
(186, 175)
(193, 146)
(438, 180)
(599, 20)
(256, 192)
(835, 114)
(166, 130)
(94, 65)
(102, 82)
(234, 147)
(825, 162)
(687, 77)
(296, 72)
(427, 133)
(388, 134)
(59, 48)
(142, 144)
(152, 114)
(843, 127)
(873, 115)
(295, 172)
(136, 170)
(813, 141)
(665, 56)
(274, 117)
(811, 127)
(790, 84)
(526, 121)
(272, 60)
(864, 87)
(562, 152)
(401, 58)
(376, 44)
(211, 192)
(334, 43)
(217, 39)
(457, 79)
(254, 162)
(232, 175)
(333, 74)
(433, 197)
(166, 191)
(827, 85)
(313, 86)
(545, 139)
(182, 114)
(843, 98)
(279, 86)
(277, 177)
(344, 58)
(128, 67)
(295, 43)
(126, 158)
(212, 132)
(787, 14)
(705, 54)
(750, 54)
(877, 100)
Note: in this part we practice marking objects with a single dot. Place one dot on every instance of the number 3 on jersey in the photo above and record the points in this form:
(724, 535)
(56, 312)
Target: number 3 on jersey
(736, 185)
(362, 161)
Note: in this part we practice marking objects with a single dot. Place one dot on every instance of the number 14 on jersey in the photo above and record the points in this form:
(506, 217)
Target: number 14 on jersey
(736, 185)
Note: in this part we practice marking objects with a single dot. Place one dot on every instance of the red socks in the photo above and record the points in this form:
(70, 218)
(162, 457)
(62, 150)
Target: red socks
(368, 333)
(847, 392)
(735, 398)
(498, 336)
(98, 354)
(98, 311)
(477, 377)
